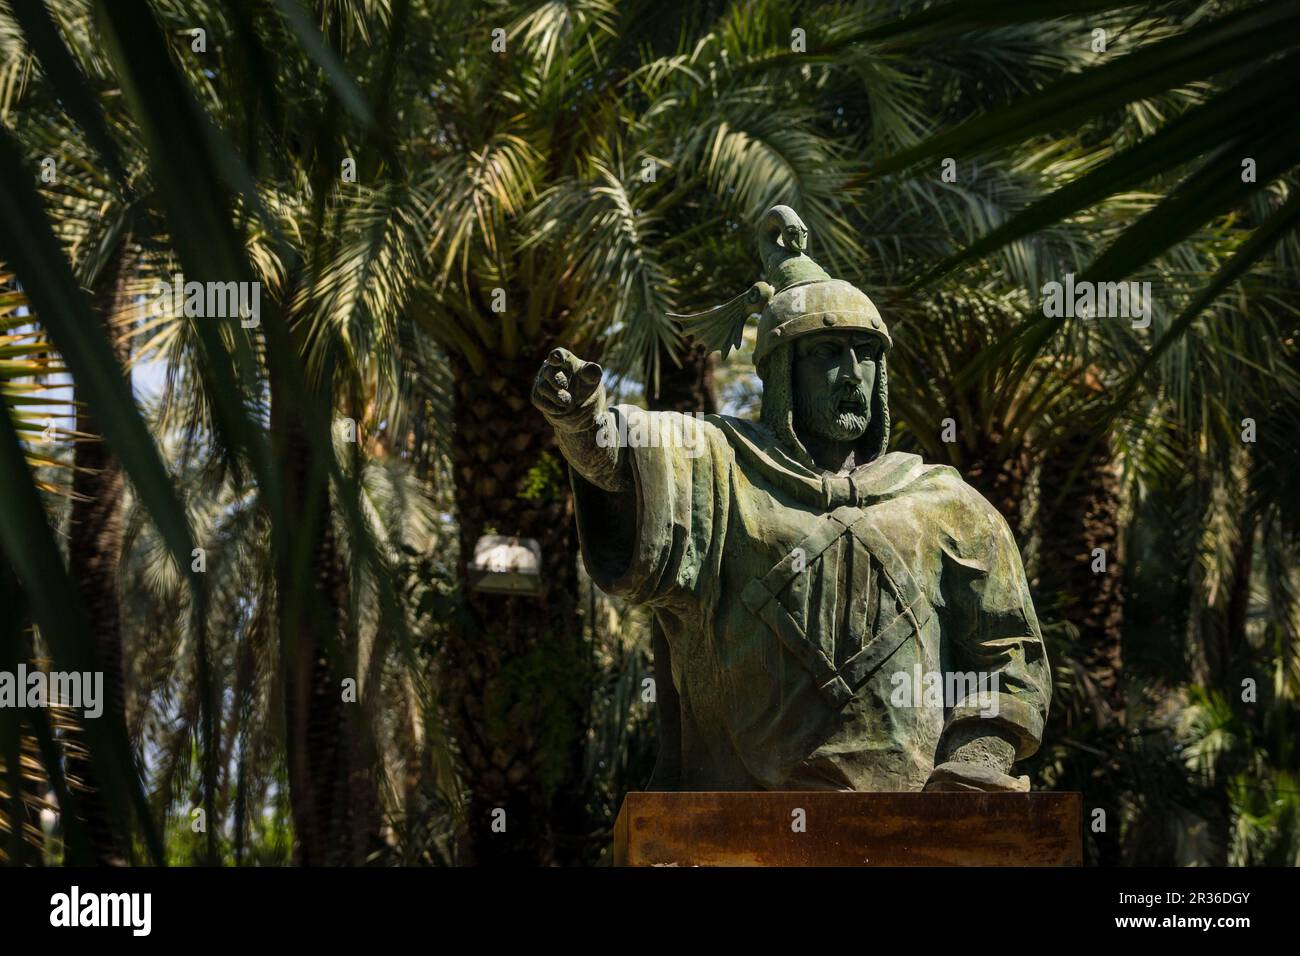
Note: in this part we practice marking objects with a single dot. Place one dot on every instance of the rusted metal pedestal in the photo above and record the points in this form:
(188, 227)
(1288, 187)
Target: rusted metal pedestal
(849, 829)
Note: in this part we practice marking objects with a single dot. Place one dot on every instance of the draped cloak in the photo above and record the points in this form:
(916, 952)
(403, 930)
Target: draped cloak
(792, 600)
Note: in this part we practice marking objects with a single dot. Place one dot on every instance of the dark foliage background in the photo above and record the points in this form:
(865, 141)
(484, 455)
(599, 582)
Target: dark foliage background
(233, 522)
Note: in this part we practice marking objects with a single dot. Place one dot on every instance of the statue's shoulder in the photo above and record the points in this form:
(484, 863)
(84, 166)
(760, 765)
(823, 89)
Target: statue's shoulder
(754, 432)
(947, 493)
(965, 518)
(636, 415)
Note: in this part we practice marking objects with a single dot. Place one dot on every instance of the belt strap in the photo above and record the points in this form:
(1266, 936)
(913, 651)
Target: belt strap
(914, 611)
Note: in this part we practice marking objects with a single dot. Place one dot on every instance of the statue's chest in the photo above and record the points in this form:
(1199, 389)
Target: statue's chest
(835, 592)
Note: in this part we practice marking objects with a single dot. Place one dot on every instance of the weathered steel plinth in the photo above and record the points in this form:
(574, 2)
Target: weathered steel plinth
(849, 829)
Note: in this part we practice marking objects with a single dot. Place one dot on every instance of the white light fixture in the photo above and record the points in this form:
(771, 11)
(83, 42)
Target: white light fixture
(507, 565)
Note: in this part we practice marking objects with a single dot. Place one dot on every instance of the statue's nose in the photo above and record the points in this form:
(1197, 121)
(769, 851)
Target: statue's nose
(849, 369)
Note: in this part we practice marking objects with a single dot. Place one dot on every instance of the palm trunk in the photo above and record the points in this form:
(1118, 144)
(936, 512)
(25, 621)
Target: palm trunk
(331, 792)
(20, 792)
(1074, 522)
(1001, 478)
(95, 549)
(518, 668)
(1234, 647)
(1075, 519)
(1198, 651)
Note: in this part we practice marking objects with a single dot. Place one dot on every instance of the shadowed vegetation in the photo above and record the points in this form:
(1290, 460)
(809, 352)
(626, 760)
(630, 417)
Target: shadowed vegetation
(261, 531)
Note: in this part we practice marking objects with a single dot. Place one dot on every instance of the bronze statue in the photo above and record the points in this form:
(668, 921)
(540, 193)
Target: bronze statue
(816, 594)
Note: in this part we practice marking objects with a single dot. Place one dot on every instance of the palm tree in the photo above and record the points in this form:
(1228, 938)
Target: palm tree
(324, 294)
(114, 789)
(312, 602)
(26, 363)
(95, 538)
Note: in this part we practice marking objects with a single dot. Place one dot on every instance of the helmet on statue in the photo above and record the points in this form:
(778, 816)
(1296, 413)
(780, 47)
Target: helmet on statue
(805, 299)
(796, 297)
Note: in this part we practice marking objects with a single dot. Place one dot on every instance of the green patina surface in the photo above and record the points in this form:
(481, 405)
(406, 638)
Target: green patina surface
(809, 588)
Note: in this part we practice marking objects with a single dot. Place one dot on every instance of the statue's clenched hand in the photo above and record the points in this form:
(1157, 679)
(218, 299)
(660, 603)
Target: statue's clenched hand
(569, 393)
(975, 758)
(563, 389)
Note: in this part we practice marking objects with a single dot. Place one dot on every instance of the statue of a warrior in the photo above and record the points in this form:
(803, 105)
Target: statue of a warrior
(834, 616)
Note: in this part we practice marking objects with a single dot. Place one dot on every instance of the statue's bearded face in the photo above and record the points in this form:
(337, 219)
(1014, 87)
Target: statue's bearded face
(834, 378)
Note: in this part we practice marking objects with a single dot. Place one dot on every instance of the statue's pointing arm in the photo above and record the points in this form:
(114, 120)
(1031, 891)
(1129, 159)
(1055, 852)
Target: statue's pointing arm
(650, 489)
(568, 391)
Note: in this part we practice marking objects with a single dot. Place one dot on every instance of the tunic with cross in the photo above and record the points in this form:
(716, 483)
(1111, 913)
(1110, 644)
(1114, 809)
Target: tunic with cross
(797, 606)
